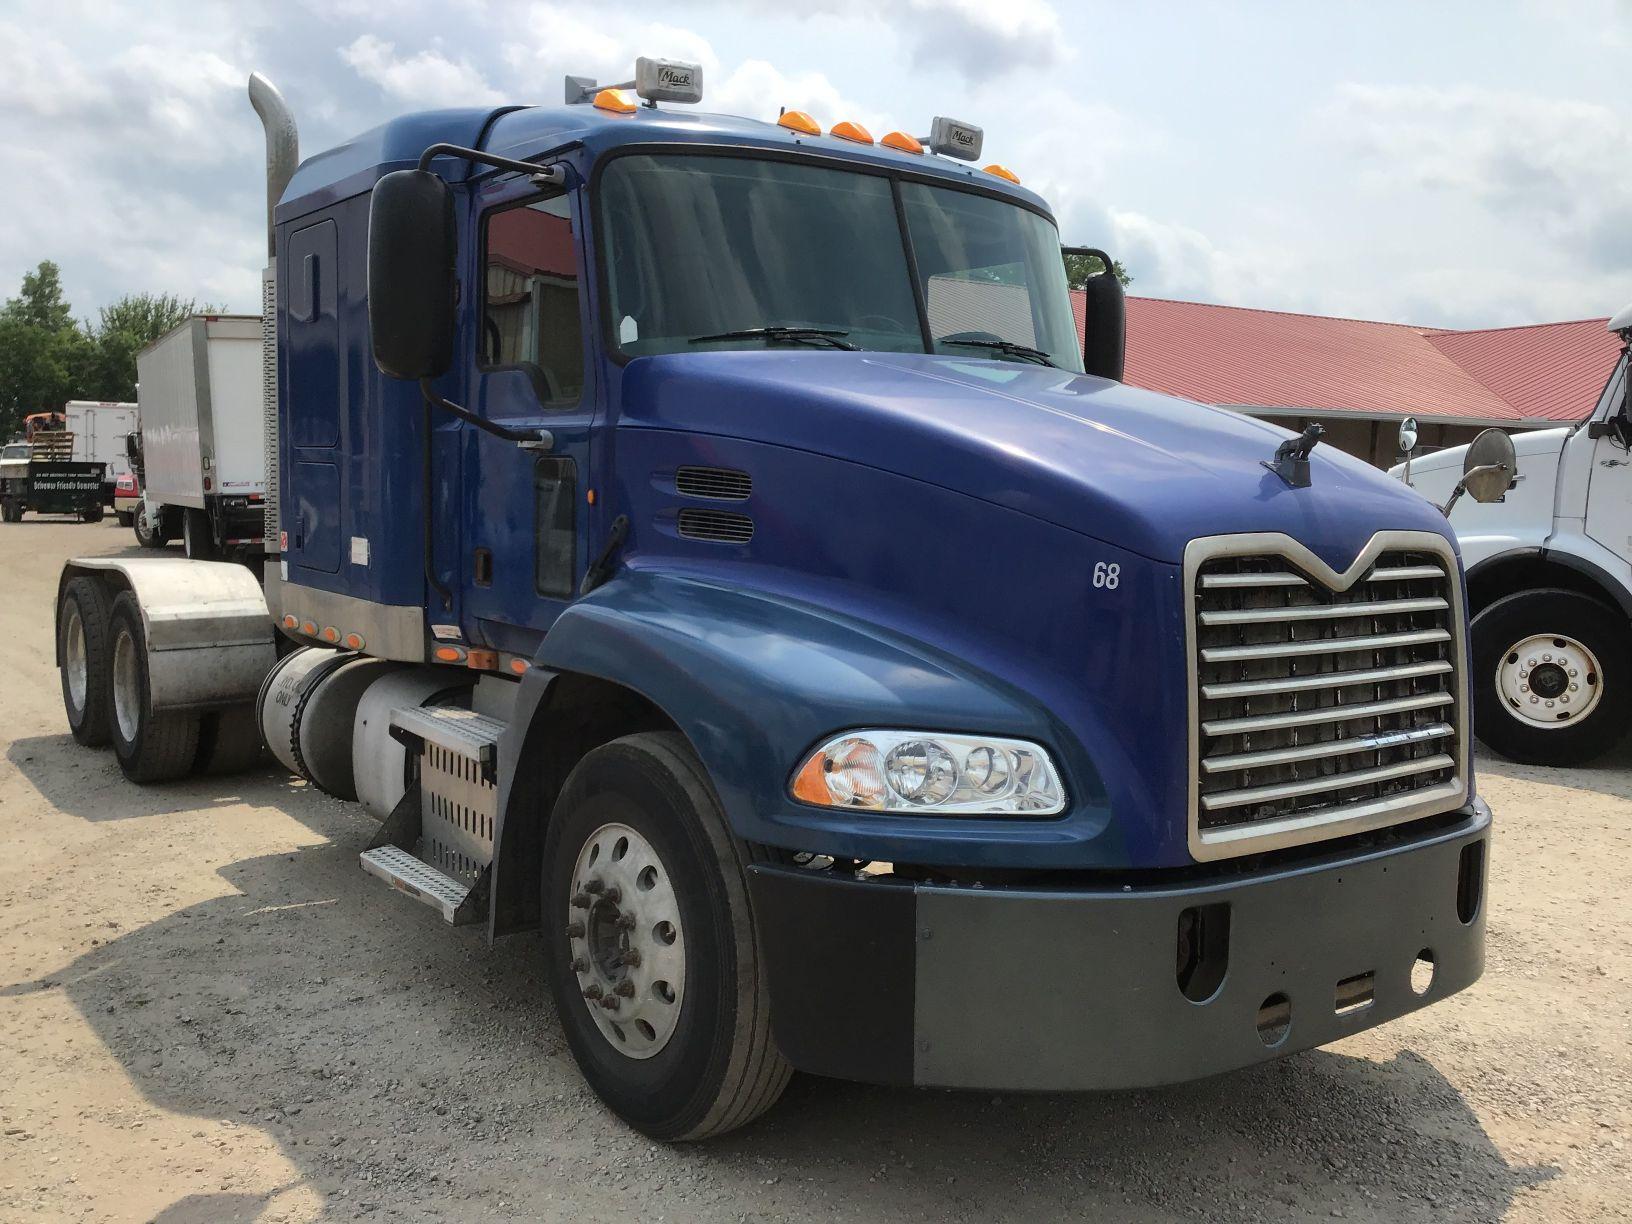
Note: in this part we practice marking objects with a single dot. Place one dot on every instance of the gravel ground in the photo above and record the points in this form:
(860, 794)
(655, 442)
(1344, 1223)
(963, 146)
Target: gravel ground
(207, 1012)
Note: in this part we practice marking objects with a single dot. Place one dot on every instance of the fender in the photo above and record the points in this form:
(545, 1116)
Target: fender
(1591, 570)
(756, 680)
(209, 634)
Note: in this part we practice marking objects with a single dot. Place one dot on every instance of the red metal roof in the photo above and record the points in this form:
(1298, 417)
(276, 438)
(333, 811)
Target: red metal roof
(1272, 359)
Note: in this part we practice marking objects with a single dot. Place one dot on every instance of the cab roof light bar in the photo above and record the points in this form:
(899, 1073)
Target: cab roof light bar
(656, 80)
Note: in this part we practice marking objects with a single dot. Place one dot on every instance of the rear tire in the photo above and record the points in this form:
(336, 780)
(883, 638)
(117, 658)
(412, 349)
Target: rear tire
(91, 514)
(197, 536)
(10, 511)
(83, 646)
(151, 747)
(714, 1066)
(125, 517)
(1582, 671)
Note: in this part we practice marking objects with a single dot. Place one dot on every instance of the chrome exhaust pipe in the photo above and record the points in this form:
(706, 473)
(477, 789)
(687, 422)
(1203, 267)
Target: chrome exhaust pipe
(282, 147)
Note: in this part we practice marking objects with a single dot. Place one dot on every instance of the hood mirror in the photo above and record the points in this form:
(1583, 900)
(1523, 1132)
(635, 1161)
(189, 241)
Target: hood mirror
(1489, 470)
(1407, 444)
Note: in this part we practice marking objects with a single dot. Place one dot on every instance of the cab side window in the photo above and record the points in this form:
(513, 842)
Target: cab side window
(530, 314)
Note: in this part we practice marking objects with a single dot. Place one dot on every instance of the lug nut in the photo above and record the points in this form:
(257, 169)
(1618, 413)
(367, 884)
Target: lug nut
(611, 1003)
(625, 922)
(595, 887)
(612, 895)
(625, 988)
(581, 900)
(580, 965)
(592, 991)
(629, 956)
(575, 930)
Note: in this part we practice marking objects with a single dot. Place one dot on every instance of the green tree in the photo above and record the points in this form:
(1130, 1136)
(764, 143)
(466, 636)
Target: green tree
(1079, 268)
(42, 350)
(123, 330)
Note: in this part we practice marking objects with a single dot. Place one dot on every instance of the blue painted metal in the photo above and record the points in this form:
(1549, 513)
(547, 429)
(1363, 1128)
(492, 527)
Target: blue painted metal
(926, 526)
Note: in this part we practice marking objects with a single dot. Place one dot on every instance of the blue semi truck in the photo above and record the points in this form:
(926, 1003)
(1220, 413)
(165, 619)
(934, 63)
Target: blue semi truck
(707, 543)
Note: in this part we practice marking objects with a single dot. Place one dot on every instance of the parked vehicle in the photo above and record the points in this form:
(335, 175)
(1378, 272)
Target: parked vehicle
(127, 498)
(99, 431)
(1550, 583)
(41, 475)
(720, 552)
(203, 438)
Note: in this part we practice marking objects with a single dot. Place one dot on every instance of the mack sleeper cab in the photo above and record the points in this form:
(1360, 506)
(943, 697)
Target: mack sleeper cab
(709, 543)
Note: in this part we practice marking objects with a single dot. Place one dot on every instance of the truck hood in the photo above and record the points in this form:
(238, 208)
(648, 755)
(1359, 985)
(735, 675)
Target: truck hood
(1143, 471)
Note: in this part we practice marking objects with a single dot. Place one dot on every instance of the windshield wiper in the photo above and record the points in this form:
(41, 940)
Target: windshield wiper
(785, 335)
(1010, 347)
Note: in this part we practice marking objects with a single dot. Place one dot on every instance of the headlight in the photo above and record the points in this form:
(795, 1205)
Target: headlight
(919, 771)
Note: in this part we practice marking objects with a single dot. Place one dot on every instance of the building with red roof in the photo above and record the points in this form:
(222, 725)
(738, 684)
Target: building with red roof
(1359, 378)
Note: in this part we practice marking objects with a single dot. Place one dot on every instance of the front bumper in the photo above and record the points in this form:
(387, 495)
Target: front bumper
(1054, 989)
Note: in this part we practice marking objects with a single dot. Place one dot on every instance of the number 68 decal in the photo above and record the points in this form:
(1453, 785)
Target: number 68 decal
(1107, 574)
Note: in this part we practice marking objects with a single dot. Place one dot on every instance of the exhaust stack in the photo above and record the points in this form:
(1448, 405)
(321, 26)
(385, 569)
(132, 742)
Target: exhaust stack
(282, 146)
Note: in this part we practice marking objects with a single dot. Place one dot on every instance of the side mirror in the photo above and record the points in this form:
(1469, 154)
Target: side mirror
(1408, 436)
(133, 446)
(1489, 469)
(1104, 319)
(411, 274)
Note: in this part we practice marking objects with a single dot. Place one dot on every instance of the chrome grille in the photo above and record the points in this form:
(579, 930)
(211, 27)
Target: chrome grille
(1323, 704)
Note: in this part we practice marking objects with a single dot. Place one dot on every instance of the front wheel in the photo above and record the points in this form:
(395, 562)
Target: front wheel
(149, 526)
(1552, 677)
(652, 952)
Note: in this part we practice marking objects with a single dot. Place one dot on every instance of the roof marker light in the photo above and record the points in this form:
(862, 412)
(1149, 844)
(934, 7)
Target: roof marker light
(616, 101)
(851, 131)
(901, 142)
(1003, 172)
(799, 121)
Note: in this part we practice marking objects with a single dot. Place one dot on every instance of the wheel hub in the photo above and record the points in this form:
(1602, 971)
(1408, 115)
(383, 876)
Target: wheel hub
(625, 940)
(1548, 681)
(73, 657)
(127, 697)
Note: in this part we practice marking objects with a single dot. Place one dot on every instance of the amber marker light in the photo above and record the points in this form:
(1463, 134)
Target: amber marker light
(291, 621)
(309, 628)
(354, 641)
(799, 121)
(901, 142)
(1003, 172)
(449, 654)
(851, 131)
(519, 666)
(615, 101)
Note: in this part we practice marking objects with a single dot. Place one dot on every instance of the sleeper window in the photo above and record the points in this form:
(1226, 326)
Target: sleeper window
(530, 307)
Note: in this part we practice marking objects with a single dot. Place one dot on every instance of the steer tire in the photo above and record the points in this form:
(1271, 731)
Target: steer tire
(720, 1067)
(149, 527)
(150, 747)
(197, 536)
(83, 621)
(1573, 617)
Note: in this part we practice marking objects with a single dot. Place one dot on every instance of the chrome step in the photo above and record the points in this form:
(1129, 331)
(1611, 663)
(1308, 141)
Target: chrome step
(419, 880)
(462, 732)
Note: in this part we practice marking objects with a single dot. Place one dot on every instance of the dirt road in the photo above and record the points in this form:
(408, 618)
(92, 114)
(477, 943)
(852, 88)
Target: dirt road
(207, 1012)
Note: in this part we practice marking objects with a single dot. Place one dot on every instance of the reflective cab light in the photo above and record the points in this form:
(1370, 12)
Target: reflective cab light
(354, 641)
(901, 142)
(330, 634)
(1003, 172)
(927, 772)
(518, 666)
(309, 628)
(798, 121)
(617, 101)
(851, 131)
(291, 621)
(449, 654)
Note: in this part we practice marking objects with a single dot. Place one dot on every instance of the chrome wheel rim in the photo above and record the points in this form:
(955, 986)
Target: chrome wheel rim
(1548, 681)
(74, 665)
(127, 697)
(625, 940)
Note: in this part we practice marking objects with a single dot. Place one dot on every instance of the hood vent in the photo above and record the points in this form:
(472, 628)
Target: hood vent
(718, 526)
(722, 484)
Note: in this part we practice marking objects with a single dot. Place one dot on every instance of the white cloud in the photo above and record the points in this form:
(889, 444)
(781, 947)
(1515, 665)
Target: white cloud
(426, 79)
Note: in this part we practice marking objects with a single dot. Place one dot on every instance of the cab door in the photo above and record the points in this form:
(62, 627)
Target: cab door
(527, 510)
(1609, 486)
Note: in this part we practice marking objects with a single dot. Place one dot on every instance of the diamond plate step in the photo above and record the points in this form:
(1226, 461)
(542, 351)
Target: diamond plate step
(462, 732)
(419, 880)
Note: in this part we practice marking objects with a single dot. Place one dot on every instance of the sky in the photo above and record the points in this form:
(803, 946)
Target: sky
(1448, 164)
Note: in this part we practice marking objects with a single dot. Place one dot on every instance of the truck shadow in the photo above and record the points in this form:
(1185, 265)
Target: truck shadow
(88, 784)
(1610, 774)
(405, 1068)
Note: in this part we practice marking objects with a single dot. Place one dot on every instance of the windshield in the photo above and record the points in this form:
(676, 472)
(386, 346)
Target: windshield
(700, 247)
(18, 451)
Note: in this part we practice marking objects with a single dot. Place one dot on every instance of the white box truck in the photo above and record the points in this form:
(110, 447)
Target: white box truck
(203, 438)
(100, 431)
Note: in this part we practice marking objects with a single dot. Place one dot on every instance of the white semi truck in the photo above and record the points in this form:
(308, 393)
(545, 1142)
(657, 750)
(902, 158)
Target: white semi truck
(1549, 572)
(203, 438)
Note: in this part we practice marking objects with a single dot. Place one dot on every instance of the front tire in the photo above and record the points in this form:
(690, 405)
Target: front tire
(696, 1057)
(150, 747)
(197, 536)
(1552, 677)
(149, 526)
(83, 619)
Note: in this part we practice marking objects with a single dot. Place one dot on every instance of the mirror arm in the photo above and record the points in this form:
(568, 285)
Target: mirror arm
(551, 176)
(531, 439)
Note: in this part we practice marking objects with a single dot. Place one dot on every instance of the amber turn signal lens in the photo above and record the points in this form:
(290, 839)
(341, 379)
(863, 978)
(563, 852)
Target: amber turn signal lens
(799, 121)
(901, 142)
(1003, 172)
(617, 101)
(851, 131)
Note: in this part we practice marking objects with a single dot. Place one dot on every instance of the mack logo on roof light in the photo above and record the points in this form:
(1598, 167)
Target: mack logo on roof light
(668, 80)
(950, 138)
